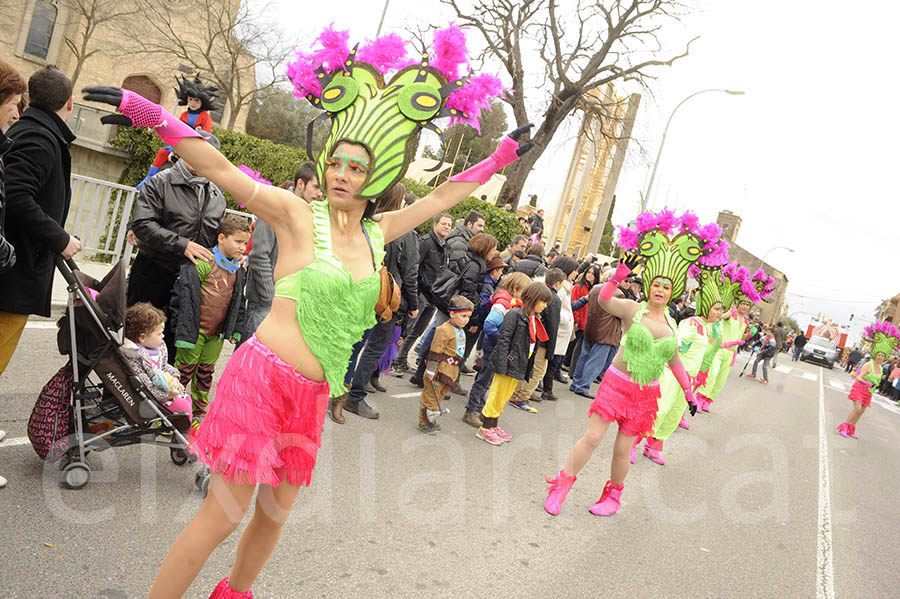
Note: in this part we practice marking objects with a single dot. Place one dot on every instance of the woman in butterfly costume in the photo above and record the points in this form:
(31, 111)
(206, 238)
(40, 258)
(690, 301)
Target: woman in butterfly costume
(629, 392)
(265, 425)
(884, 338)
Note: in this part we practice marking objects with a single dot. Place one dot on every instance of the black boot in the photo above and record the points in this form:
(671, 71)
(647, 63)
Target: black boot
(547, 393)
(417, 378)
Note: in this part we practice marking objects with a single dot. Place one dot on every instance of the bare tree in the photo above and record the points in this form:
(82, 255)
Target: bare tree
(582, 49)
(228, 41)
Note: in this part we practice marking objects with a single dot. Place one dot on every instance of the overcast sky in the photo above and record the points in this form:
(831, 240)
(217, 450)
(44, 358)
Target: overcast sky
(804, 157)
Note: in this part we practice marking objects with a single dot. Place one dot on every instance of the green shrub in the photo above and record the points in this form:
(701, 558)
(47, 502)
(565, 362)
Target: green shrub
(275, 162)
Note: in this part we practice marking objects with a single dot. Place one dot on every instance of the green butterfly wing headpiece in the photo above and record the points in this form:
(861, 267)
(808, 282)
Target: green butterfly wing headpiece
(348, 86)
(884, 337)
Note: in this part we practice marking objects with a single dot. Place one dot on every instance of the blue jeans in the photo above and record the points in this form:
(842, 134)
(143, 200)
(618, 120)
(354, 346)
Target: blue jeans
(797, 350)
(480, 386)
(357, 347)
(439, 319)
(595, 358)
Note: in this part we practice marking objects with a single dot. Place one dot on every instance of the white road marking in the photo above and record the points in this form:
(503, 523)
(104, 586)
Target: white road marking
(40, 324)
(837, 385)
(810, 376)
(885, 403)
(14, 442)
(824, 555)
(783, 369)
(404, 395)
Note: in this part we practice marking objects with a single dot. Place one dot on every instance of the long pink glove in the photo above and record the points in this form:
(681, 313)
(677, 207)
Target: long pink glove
(138, 111)
(700, 379)
(728, 344)
(506, 153)
(684, 379)
(609, 288)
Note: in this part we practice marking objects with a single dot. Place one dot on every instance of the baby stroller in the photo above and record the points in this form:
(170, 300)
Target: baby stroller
(95, 401)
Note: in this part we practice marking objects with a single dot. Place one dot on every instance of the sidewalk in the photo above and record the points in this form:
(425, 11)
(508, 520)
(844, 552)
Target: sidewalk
(59, 296)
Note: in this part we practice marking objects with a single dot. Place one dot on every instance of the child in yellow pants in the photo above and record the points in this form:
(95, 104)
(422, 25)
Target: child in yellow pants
(513, 358)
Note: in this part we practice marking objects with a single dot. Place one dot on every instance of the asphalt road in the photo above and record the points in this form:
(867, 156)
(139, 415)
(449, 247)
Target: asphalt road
(736, 512)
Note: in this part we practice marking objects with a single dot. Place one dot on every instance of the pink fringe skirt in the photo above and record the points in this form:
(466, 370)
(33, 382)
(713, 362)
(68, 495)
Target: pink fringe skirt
(623, 401)
(265, 425)
(860, 392)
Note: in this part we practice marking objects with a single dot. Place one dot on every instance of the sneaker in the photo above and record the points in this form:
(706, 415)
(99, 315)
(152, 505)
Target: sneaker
(502, 434)
(417, 382)
(488, 436)
(361, 408)
(764, 381)
(2, 482)
(536, 397)
(463, 369)
(400, 366)
(460, 390)
(751, 376)
(428, 429)
(472, 419)
(524, 405)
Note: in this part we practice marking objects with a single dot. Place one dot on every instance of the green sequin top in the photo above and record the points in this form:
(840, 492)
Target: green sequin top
(874, 375)
(645, 356)
(333, 310)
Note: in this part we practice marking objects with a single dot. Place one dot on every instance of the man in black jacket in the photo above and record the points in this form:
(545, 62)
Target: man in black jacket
(176, 217)
(432, 260)
(799, 344)
(402, 260)
(533, 262)
(38, 193)
(457, 244)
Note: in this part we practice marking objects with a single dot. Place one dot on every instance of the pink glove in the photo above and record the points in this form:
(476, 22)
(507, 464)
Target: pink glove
(700, 379)
(144, 113)
(609, 288)
(506, 153)
(684, 380)
(728, 344)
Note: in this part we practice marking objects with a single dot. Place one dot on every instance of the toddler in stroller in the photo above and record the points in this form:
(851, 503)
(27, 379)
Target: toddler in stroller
(146, 352)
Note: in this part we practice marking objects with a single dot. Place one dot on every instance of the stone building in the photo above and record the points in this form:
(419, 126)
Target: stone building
(774, 306)
(583, 208)
(34, 33)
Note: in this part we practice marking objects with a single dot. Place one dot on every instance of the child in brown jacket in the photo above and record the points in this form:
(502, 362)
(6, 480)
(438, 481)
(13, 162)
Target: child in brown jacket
(442, 362)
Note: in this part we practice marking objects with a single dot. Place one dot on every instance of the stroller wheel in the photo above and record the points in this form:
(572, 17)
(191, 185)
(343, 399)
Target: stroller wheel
(76, 475)
(179, 456)
(201, 480)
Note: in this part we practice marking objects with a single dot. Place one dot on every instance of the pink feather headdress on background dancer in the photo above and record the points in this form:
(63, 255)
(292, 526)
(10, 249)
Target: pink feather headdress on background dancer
(883, 336)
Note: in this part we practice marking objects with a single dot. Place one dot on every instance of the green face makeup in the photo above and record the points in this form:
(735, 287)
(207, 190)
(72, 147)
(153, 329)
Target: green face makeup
(345, 160)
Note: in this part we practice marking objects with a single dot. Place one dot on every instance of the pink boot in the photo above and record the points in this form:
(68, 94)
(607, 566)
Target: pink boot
(556, 495)
(653, 450)
(706, 404)
(223, 591)
(609, 502)
(684, 424)
(851, 428)
(637, 441)
(844, 429)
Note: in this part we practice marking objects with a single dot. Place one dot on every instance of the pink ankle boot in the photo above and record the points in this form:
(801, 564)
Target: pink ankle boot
(223, 591)
(637, 441)
(653, 450)
(706, 404)
(851, 428)
(610, 500)
(684, 424)
(844, 429)
(556, 495)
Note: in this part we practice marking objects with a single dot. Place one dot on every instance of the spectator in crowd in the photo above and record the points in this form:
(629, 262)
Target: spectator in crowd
(176, 217)
(568, 266)
(457, 243)
(602, 333)
(519, 242)
(780, 334)
(533, 262)
(432, 260)
(536, 220)
(264, 253)
(852, 359)
(516, 256)
(767, 352)
(526, 228)
(402, 261)
(676, 308)
(583, 286)
(799, 343)
(37, 196)
(12, 89)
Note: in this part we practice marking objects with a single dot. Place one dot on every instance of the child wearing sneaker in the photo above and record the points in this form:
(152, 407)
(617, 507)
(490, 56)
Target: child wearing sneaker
(209, 304)
(513, 358)
(442, 362)
(146, 353)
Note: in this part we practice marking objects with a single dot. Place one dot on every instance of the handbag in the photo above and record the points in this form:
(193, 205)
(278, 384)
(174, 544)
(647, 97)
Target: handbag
(389, 293)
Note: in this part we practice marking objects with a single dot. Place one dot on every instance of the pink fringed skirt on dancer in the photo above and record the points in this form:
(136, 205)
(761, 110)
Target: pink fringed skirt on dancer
(265, 425)
(860, 392)
(621, 400)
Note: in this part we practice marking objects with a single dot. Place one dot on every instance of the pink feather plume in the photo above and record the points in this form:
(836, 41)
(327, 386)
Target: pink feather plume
(331, 54)
(449, 51)
(690, 222)
(474, 97)
(386, 53)
(628, 238)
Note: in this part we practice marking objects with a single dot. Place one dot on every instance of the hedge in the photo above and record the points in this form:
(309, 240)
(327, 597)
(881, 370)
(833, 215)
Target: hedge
(277, 163)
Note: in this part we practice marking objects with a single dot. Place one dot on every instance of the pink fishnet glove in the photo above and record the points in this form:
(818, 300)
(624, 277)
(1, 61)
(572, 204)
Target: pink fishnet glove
(506, 153)
(144, 113)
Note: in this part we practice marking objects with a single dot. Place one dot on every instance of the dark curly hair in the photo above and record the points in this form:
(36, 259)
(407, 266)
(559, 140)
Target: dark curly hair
(142, 318)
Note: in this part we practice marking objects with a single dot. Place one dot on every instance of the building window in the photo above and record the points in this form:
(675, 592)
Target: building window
(144, 86)
(40, 32)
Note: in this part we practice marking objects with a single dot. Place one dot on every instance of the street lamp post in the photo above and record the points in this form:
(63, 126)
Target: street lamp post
(770, 250)
(383, 13)
(662, 143)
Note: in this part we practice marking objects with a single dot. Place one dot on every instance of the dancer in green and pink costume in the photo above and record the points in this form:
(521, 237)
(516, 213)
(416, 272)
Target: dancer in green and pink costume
(264, 429)
(630, 391)
(699, 339)
(740, 292)
(884, 338)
